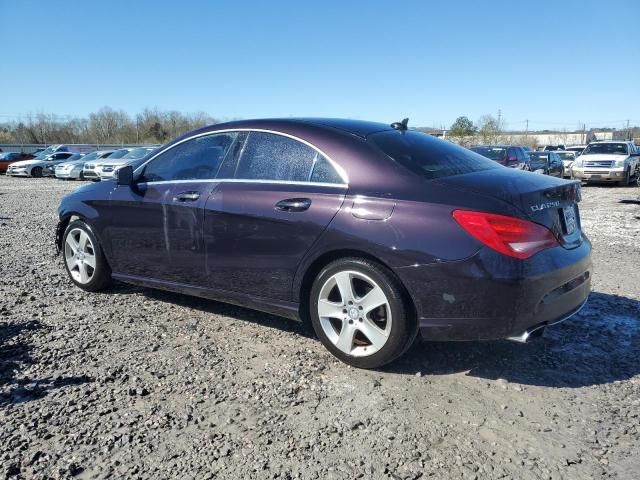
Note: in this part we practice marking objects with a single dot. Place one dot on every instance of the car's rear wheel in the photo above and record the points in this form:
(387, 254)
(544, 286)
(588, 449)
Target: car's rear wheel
(36, 172)
(358, 311)
(83, 257)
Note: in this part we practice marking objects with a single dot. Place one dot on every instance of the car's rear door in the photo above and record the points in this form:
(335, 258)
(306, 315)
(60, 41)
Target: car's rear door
(154, 229)
(268, 210)
(555, 164)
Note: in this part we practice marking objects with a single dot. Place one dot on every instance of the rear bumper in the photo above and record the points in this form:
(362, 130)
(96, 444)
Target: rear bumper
(490, 296)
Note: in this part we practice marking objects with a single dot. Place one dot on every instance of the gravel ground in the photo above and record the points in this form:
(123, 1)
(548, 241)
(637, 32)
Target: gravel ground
(138, 383)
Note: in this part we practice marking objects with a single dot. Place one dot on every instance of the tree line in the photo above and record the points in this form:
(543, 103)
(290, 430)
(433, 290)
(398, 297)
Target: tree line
(106, 126)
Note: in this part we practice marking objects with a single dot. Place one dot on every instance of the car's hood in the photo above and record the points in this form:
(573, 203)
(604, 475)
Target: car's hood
(601, 156)
(72, 163)
(111, 163)
(25, 163)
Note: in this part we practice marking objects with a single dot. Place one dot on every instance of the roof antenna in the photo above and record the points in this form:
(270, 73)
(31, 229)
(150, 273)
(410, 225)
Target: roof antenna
(402, 126)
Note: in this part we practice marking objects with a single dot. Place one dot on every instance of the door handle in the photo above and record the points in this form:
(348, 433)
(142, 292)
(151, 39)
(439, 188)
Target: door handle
(293, 204)
(186, 197)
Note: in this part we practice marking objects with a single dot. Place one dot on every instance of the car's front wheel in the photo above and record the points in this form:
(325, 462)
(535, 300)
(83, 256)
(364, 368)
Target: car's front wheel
(83, 257)
(36, 172)
(359, 313)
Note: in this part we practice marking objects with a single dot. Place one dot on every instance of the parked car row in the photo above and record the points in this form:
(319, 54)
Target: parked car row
(71, 162)
(602, 161)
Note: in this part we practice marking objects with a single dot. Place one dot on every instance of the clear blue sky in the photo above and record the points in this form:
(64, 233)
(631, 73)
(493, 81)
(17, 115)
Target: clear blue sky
(555, 63)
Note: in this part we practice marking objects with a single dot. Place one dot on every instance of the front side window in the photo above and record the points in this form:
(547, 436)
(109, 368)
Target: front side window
(195, 159)
(428, 156)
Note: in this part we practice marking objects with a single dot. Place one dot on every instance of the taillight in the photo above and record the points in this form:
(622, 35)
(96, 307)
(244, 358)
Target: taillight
(510, 236)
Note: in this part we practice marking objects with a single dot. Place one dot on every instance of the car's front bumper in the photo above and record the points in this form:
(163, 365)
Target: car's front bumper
(598, 174)
(68, 174)
(91, 174)
(491, 296)
(18, 173)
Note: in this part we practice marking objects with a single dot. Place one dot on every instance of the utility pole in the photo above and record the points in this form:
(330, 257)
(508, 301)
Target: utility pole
(526, 130)
(584, 133)
(628, 131)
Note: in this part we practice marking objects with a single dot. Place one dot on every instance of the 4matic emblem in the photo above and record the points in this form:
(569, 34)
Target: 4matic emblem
(544, 206)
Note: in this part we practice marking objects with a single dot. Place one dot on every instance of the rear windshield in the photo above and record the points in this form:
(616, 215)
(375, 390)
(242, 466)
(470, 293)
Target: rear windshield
(428, 156)
(566, 155)
(494, 153)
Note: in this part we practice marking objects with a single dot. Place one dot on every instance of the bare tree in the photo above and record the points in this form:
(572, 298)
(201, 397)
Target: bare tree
(489, 129)
(106, 126)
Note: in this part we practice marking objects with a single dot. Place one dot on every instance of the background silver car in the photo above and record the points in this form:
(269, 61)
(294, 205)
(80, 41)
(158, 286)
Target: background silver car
(71, 168)
(111, 166)
(92, 164)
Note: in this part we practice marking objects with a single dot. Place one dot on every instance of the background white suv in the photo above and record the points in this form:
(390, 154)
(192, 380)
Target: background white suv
(608, 161)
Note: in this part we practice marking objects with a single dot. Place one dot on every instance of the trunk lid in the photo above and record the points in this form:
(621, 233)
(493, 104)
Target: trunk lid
(549, 201)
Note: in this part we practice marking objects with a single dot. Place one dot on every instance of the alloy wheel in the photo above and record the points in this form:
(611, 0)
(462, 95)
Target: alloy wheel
(354, 313)
(80, 256)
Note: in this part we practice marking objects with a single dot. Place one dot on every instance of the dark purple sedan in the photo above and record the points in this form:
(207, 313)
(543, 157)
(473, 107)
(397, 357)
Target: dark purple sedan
(371, 232)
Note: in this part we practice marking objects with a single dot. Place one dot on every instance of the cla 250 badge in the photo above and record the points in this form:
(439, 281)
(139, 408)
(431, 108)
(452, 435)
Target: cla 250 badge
(544, 206)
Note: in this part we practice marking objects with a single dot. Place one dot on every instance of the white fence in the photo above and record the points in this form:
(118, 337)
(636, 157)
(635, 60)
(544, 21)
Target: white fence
(32, 147)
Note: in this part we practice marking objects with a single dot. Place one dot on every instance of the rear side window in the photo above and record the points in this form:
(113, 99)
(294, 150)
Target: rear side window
(324, 172)
(493, 153)
(196, 159)
(428, 156)
(268, 156)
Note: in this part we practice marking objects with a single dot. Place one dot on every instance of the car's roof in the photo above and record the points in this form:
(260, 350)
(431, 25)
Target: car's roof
(360, 128)
(611, 141)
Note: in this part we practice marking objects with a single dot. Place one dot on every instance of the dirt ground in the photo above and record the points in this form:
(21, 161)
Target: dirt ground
(136, 383)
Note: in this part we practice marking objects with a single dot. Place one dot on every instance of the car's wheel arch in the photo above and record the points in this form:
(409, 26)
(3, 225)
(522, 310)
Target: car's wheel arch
(63, 223)
(306, 279)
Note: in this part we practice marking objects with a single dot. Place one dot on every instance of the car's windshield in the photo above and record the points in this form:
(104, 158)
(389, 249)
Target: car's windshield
(75, 156)
(136, 153)
(606, 149)
(538, 155)
(90, 156)
(494, 153)
(119, 154)
(428, 156)
(45, 152)
(566, 155)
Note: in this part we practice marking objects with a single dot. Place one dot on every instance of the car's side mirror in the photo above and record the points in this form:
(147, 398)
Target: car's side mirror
(125, 175)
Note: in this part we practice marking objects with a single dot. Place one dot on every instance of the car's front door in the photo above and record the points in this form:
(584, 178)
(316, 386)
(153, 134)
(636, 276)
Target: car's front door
(259, 224)
(154, 229)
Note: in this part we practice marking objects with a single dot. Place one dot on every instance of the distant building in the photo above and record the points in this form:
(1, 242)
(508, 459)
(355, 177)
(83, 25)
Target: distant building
(556, 138)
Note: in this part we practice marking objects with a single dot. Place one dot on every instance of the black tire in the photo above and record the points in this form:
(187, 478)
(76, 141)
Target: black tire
(403, 328)
(101, 278)
(36, 172)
